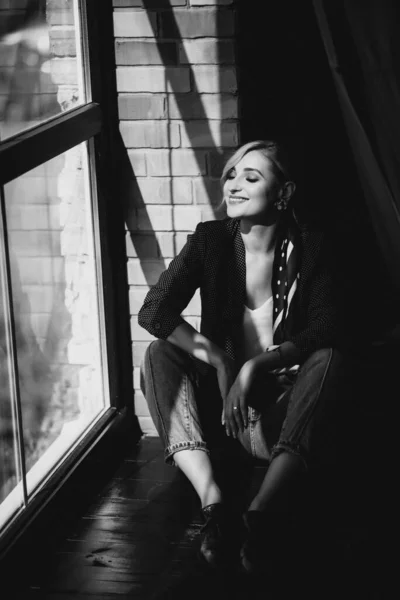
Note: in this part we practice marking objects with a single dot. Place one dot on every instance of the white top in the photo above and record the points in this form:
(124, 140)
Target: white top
(257, 329)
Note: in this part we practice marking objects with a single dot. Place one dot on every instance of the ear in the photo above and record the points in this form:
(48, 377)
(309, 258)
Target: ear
(287, 191)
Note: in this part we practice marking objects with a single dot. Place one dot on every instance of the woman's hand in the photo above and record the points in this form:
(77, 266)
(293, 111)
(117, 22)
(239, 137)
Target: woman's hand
(236, 404)
(226, 372)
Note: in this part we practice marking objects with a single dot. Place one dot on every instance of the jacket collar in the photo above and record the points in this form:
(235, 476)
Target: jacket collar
(235, 276)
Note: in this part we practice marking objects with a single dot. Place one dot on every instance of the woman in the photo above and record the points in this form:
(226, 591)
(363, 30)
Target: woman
(262, 359)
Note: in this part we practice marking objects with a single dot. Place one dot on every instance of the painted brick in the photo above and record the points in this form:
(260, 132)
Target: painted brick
(151, 218)
(176, 162)
(142, 246)
(164, 190)
(145, 272)
(138, 333)
(150, 134)
(203, 134)
(149, 3)
(206, 51)
(31, 190)
(50, 4)
(63, 71)
(207, 190)
(138, 351)
(194, 24)
(214, 79)
(62, 43)
(210, 2)
(216, 160)
(35, 243)
(141, 408)
(186, 218)
(166, 244)
(194, 306)
(59, 17)
(137, 295)
(209, 213)
(170, 244)
(180, 240)
(136, 378)
(33, 217)
(138, 162)
(134, 23)
(202, 106)
(142, 106)
(155, 218)
(153, 79)
(147, 426)
(8, 56)
(128, 52)
(40, 298)
(37, 271)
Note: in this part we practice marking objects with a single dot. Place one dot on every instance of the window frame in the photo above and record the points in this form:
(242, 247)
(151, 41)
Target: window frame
(95, 122)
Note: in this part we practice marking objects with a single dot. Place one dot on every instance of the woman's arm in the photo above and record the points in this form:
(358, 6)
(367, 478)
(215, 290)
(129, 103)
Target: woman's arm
(187, 338)
(235, 408)
(161, 311)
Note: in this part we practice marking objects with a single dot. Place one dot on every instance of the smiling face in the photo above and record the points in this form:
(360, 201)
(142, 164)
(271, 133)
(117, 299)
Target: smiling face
(251, 188)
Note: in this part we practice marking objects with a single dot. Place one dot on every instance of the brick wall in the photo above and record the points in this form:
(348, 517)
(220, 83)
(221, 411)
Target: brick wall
(177, 96)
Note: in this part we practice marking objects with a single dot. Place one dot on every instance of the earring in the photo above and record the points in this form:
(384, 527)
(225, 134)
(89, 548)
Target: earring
(280, 204)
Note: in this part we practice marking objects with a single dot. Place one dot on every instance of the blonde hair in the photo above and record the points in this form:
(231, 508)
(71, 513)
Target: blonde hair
(271, 149)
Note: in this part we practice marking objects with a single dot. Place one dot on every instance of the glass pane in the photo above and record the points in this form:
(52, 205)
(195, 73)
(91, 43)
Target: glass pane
(54, 286)
(40, 62)
(11, 495)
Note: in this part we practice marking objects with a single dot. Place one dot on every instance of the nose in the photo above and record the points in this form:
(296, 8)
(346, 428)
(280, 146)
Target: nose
(234, 184)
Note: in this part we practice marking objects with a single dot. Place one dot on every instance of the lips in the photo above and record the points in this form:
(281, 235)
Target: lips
(237, 199)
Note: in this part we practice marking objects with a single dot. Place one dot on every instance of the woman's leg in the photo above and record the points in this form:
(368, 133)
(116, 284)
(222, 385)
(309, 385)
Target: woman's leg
(311, 406)
(182, 413)
(170, 383)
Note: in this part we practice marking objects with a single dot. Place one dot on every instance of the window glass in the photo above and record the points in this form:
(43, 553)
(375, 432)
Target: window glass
(56, 309)
(41, 64)
(11, 495)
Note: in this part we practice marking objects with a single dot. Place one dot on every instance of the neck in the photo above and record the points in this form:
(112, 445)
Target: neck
(258, 239)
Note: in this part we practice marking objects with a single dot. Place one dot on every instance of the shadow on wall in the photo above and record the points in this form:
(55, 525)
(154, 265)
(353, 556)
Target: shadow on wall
(129, 187)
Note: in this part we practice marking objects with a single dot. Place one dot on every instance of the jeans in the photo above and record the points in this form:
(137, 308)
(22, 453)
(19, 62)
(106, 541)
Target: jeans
(286, 413)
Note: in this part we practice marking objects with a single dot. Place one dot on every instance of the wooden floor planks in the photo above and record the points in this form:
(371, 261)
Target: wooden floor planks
(139, 536)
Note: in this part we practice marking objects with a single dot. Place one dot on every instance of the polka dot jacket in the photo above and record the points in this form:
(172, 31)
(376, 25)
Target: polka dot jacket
(213, 260)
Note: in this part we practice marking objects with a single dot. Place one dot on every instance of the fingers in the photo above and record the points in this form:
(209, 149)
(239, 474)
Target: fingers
(237, 415)
(231, 427)
(244, 414)
(235, 418)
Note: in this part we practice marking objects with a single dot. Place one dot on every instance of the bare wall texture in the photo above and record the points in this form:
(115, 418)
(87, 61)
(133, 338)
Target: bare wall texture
(178, 111)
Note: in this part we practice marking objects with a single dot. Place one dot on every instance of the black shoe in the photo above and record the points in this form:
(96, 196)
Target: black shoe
(255, 553)
(213, 542)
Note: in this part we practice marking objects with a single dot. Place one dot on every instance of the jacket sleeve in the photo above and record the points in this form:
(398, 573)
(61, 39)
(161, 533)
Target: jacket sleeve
(321, 325)
(164, 303)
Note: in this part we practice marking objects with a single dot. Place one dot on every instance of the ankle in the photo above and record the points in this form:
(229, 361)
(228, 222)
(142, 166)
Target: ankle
(211, 496)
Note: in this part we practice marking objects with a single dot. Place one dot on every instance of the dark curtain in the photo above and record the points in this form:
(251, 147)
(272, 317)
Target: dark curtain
(362, 43)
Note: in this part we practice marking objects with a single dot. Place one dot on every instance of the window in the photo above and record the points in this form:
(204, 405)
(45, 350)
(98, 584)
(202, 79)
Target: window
(53, 335)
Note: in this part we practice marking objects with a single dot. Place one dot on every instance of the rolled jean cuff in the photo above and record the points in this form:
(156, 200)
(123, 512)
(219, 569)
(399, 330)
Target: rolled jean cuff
(292, 449)
(177, 447)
